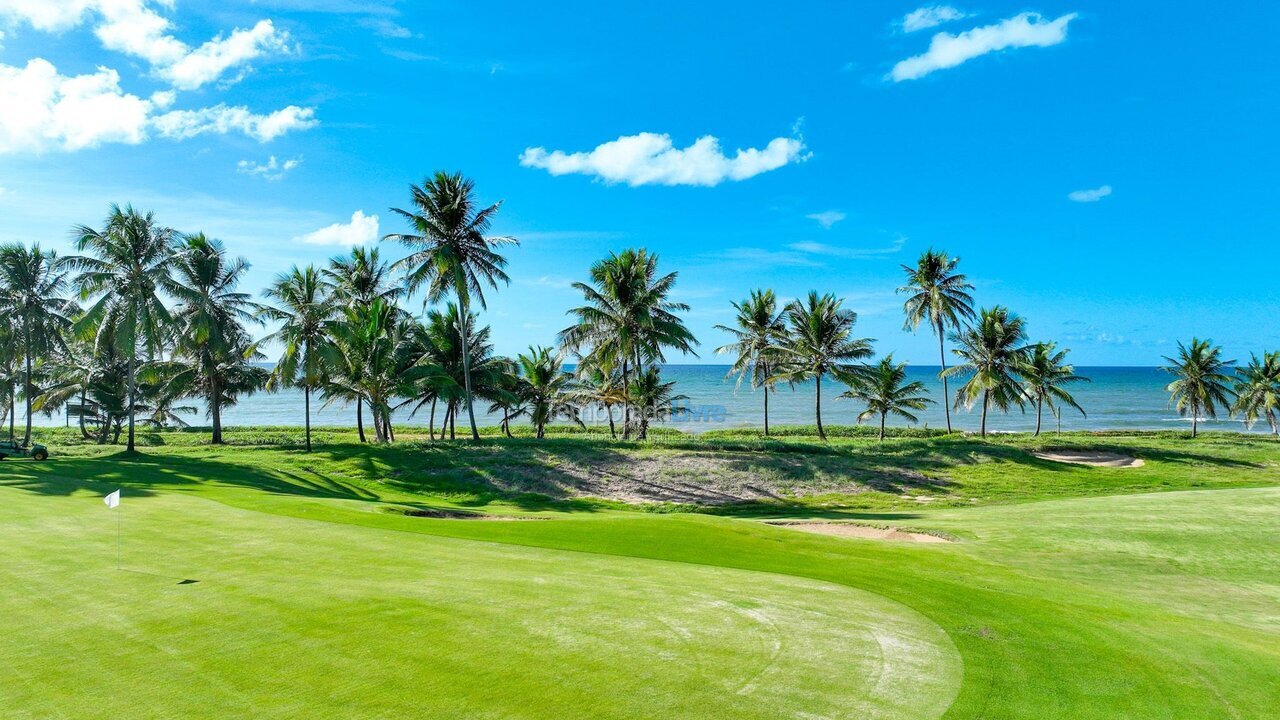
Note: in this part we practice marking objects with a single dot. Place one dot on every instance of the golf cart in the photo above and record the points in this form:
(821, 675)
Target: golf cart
(11, 448)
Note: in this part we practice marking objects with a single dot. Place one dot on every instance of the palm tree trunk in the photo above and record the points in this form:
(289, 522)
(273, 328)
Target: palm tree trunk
(26, 440)
(306, 392)
(1195, 418)
(766, 410)
(817, 406)
(626, 401)
(215, 408)
(985, 394)
(431, 425)
(466, 355)
(83, 433)
(391, 431)
(360, 419)
(13, 408)
(882, 416)
(613, 433)
(942, 357)
(1039, 413)
(130, 395)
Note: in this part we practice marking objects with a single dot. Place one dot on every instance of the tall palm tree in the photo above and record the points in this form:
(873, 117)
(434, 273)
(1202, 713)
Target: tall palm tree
(211, 315)
(1258, 391)
(939, 296)
(32, 284)
(628, 319)
(760, 328)
(992, 352)
(450, 252)
(361, 278)
(304, 307)
(1202, 384)
(547, 388)
(1044, 374)
(885, 390)
(127, 271)
(820, 342)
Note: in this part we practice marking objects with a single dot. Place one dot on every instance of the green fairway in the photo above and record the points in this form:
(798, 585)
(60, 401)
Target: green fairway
(314, 599)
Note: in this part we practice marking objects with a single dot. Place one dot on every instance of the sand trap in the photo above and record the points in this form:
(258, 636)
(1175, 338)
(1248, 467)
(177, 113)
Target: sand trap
(1090, 457)
(860, 531)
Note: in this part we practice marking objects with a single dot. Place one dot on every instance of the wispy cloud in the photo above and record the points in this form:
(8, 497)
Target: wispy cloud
(548, 281)
(761, 257)
(653, 159)
(827, 218)
(362, 229)
(1088, 196)
(930, 16)
(272, 169)
(947, 50)
(841, 251)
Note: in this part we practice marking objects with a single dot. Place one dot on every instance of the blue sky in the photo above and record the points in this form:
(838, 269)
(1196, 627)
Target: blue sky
(866, 138)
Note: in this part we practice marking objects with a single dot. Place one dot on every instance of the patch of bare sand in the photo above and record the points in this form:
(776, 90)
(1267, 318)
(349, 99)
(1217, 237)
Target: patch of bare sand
(860, 531)
(1093, 458)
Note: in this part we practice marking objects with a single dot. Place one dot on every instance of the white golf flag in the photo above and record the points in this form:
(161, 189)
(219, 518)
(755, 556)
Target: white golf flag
(112, 500)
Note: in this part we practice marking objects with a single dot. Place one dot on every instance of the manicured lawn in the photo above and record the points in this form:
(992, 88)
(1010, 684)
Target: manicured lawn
(319, 597)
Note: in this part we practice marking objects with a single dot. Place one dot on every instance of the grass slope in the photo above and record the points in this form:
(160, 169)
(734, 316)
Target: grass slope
(1143, 606)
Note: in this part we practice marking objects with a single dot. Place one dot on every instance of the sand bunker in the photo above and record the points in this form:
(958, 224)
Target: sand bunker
(860, 531)
(1090, 457)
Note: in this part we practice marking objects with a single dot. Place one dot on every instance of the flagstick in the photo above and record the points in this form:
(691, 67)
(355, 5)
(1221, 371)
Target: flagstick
(118, 512)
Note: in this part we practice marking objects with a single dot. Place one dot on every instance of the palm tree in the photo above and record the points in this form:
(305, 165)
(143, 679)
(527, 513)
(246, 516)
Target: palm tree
(361, 278)
(820, 342)
(32, 283)
(9, 374)
(1258, 391)
(1202, 384)
(440, 367)
(547, 388)
(885, 390)
(653, 398)
(760, 328)
(127, 271)
(210, 316)
(304, 308)
(220, 377)
(940, 296)
(600, 384)
(450, 253)
(628, 319)
(992, 351)
(512, 401)
(1043, 375)
(368, 359)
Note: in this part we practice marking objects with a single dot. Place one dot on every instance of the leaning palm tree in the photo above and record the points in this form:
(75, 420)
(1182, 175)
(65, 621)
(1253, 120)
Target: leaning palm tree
(760, 327)
(547, 388)
(1258, 391)
(304, 308)
(450, 252)
(628, 319)
(32, 283)
(210, 317)
(939, 296)
(126, 270)
(885, 390)
(992, 352)
(1044, 373)
(1202, 384)
(820, 342)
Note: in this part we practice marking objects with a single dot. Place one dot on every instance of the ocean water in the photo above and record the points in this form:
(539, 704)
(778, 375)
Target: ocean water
(1115, 398)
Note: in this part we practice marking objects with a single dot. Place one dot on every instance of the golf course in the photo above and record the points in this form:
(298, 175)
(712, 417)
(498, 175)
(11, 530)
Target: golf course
(452, 580)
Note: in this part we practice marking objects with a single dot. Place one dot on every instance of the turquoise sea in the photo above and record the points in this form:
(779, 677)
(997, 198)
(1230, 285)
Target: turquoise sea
(1116, 398)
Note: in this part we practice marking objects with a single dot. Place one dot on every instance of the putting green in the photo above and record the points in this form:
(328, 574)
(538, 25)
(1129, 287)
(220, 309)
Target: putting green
(294, 618)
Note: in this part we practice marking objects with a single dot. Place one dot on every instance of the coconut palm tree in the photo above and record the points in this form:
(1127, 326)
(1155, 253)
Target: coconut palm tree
(304, 309)
(547, 388)
(439, 370)
(32, 285)
(760, 328)
(939, 296)
(1044, 374)
(1202, 384)
(210, 319)
(1258, 391)
(885, 390)
(653, 399)
(600, 384)
(628, 319)
(220, 377)
(820, 342)
(450, 252)
(992, 352)
(368, 358)
(512, 401)
(127, 271)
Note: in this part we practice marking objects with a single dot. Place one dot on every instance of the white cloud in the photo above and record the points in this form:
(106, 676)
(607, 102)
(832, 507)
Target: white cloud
(1093, 195)
(930, 16)
(272, 169)
(651, 158)
(133, 27)
(816, 248)
(222, 119)
(827, 218)
(947, 50)
(362, 229)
